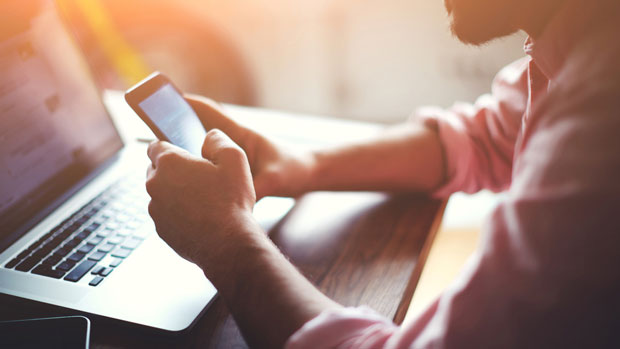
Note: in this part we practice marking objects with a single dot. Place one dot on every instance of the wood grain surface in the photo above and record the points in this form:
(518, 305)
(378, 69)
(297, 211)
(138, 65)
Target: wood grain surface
(358, 248)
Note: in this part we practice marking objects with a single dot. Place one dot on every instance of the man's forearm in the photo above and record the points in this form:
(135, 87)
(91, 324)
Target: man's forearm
(407, 157)
(267, 296)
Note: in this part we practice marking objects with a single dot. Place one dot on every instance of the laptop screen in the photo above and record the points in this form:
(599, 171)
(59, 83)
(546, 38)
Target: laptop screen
(54, 129)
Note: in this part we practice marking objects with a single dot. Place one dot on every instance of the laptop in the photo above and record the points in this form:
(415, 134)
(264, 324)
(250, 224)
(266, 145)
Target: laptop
(74, 227)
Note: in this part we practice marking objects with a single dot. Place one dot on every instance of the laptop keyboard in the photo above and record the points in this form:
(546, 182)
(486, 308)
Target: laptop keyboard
(96, 238)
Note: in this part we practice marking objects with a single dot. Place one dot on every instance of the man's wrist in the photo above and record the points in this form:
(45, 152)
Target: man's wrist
(240, 243)
(312, 168)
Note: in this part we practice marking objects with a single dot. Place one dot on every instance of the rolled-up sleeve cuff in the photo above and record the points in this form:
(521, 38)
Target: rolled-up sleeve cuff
(344, 328)
(455, 146)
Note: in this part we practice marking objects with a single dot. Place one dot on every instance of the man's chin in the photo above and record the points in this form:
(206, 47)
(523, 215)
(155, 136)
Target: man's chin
(477, 37)
(448, 5)
(476, 31)
(476, 22)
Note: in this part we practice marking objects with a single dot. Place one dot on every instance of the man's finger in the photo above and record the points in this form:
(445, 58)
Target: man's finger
(150, 171)
(220, 149)
(157, 148)
(212, 117)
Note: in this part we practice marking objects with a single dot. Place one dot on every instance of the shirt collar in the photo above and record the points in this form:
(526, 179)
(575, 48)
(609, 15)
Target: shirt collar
(567, 27)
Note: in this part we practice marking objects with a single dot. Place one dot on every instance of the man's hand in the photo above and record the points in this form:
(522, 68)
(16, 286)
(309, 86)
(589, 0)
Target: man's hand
(276, 171)
(203, 209)
(200, 206)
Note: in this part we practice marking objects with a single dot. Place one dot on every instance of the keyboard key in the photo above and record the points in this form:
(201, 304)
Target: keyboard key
(96, 270)
(46, 236)
(104, 232)
(91, 228)
(112, 225)
(93, 211)
(80, 221)
(124, 232)
(33, 245)
(23, 254)
(72, 243)
(50, 245)
(48, 248)
(27, 264)
(58, 230)
(95, 240)
(86, 248)
(62, 251)
(116, 240)
(97, 256)
(105, 272)
(56, 241)
(100, 220)
(121, 252)
(46, 270)
(40, 253)
(122, 218)
(117, 207)
(76, 257)
(80, 270)
(100, 202)
(75, 226)
(66, 265)
(106, 248)
(83, 234)
(131, 243)
(52, 260)
(116, 262)
(65, 234)
(13, 262)
(96, 281)
(107, 212)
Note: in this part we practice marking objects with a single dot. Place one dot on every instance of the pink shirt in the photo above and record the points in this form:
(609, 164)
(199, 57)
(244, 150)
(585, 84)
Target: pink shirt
(547, 271)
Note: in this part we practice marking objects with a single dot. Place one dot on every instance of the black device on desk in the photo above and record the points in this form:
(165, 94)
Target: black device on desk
(68, 332)
(162, 107)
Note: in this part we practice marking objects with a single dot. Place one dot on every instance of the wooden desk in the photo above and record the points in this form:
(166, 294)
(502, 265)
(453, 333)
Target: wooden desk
(358, 248)
(456, 240)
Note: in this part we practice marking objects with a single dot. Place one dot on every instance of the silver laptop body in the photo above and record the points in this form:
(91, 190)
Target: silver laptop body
(60, 154)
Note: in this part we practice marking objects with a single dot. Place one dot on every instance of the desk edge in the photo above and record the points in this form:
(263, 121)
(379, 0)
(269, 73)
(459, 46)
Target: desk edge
(405, 302)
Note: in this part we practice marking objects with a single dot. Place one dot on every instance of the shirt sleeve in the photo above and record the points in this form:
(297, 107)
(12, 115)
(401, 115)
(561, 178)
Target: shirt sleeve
(347, 328)
(546, 274)
(478, 140)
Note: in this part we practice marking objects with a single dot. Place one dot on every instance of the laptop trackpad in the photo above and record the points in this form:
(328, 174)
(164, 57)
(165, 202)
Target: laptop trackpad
(155, 287)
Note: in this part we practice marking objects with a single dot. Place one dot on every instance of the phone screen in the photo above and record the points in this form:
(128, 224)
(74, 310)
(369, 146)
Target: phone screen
(175, 118)
(62, 332)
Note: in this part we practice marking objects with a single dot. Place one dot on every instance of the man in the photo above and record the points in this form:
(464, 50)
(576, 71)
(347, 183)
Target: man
(547, 271)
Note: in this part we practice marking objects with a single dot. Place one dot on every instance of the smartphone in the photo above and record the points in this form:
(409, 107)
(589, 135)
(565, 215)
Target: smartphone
(70, 332)
(160, 104)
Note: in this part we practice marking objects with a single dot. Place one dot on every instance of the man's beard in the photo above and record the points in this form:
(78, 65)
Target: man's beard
(479, 21)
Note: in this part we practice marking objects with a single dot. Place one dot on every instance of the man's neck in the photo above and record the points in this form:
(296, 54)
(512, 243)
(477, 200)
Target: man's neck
(536, 14)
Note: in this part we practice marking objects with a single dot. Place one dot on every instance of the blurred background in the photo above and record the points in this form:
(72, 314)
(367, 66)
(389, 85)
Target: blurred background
(369, 60)
(373, 60)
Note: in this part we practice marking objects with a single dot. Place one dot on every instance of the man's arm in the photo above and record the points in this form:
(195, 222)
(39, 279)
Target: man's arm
(264, 292)
(202, 206)
(545, 274)
(406, 157)
(467, 148)
(203, 209)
